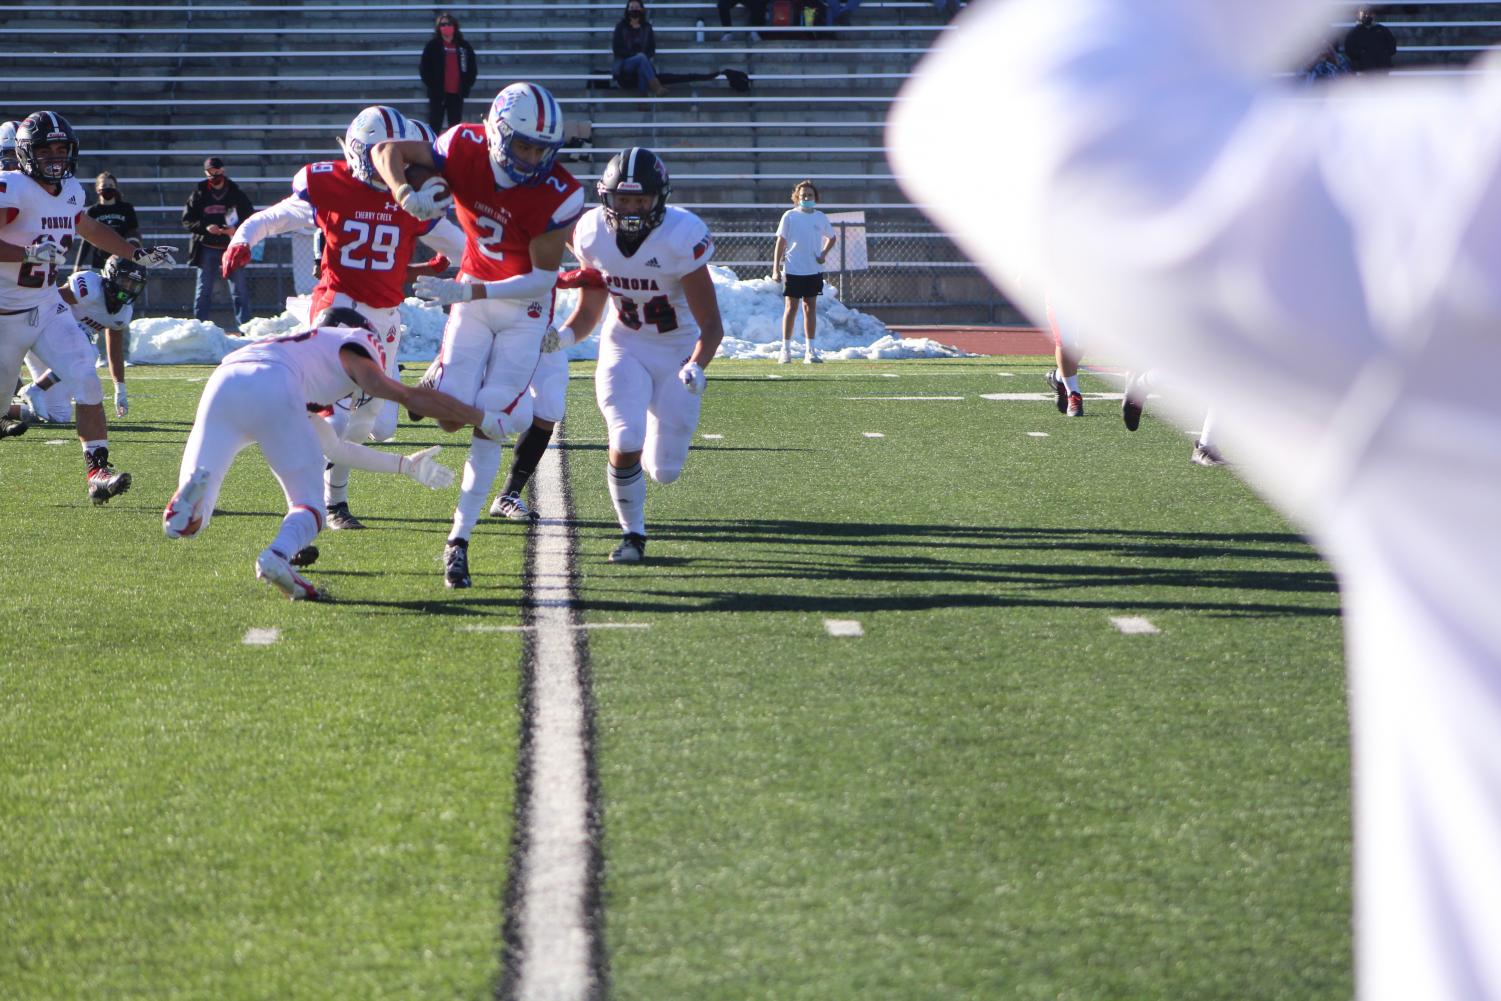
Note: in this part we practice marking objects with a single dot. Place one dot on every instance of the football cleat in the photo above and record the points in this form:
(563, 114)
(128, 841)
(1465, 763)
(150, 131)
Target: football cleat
(513, 507)
(103, 481)
(33, 406)
(276, 569)
(1206, 455)
(456, 563)
(10, 427)
(1075, 406)
(632, 549)
(183, 518)
(1060, 391)
(340, 520)
(304, 557)
(1132, 402)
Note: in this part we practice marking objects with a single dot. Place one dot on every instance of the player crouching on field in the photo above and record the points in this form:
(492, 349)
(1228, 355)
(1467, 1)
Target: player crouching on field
(102, 303)
(268, 393)
(662, 331)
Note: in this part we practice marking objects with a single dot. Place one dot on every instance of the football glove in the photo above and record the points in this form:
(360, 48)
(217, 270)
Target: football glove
(581, 278)
(438, 263)
(235, 258)
(443, 291)
(424, 467)
(156, 257)
(431, 201)
(45, 251)
(553, 340)
(122, 402)
(692, 378)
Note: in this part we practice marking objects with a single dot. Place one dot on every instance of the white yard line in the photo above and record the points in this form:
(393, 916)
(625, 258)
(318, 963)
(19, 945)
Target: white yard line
(713, 437)
(1037, 434)
(1036, 397)
(261, 637)
(1133, 625)
(886, 398)
(872, 434)
(554, 949)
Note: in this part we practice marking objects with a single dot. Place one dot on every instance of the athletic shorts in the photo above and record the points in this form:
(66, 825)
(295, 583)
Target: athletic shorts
(803, 286)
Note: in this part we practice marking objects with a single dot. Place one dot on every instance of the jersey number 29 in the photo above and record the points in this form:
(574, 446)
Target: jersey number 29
(373, 249)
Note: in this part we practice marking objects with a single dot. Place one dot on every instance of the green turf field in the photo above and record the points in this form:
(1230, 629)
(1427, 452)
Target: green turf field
(991, 794)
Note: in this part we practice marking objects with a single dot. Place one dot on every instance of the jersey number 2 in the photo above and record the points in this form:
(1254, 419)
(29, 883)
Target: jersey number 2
(378, 244)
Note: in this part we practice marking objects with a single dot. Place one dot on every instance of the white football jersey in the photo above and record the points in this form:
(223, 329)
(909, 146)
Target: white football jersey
(646, 288)
(37, 212)
(92, 310)
(314, 356)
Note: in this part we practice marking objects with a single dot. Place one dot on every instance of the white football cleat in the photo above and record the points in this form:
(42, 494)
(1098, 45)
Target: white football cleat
(274, 568)
(182, 518)
(512, 506)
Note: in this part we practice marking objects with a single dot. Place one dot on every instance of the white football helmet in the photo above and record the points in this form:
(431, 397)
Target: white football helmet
(8, 159)
(529, 111)
(375, 125)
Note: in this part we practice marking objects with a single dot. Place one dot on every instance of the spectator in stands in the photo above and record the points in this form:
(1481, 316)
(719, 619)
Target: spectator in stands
(1369, 45)
(212, 213)
(1329, 64)
(635, 45)
(449, 68)
(755, 17)
(795, 259)
(116, 213)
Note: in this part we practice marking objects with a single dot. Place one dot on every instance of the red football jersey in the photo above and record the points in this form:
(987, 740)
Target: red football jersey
(501, 223)
(367, 238)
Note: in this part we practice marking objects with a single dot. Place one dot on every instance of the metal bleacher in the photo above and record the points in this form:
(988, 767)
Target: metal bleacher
(153, 88)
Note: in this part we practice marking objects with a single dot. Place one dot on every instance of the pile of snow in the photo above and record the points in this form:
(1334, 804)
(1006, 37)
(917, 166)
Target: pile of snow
(751, 310)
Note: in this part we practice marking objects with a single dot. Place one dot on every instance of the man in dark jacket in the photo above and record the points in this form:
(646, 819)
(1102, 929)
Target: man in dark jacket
(635, 45)
(214, 209)
(448, 69)
(116, 213)
(1370, 46)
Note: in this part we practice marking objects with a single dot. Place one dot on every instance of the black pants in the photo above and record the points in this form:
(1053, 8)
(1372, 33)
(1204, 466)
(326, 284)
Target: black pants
(437, 104)
(756, 9)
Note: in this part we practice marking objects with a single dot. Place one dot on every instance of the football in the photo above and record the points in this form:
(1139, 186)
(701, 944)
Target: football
(418, 175)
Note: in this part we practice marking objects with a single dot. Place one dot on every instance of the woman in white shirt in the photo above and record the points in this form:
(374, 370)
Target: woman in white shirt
(795, 260)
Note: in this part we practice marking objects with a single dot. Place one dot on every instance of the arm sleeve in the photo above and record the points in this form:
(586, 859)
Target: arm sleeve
(568, 212)
(347, 453)
(288, 215)
(446, 238)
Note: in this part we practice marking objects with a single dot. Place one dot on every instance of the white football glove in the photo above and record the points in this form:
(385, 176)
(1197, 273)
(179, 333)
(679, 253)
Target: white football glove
(424, 467)
(122, 402)
(431, 201)
(156, 257)
(692, 378)
(443, 291)
(45, 251)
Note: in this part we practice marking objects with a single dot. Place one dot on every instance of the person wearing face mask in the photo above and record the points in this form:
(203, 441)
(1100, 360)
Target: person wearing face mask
(214, 209)
(116, 213)
(802, 228)
(635, 46)
(448, 68)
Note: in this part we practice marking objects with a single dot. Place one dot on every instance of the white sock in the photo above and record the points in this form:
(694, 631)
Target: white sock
(298, 529)
(1204, 438)
(628, 494)
(1070, 382)
(335, 484)
(479, 476)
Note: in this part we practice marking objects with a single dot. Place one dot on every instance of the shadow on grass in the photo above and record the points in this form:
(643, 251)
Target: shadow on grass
(786, 565)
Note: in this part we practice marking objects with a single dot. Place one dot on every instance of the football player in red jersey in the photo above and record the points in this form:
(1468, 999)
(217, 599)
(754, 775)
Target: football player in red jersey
(367, 244)
(517, 206)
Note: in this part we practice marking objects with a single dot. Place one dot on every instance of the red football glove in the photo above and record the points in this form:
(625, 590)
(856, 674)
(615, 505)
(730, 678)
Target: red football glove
(581, 278)
(439, 263)
(235, 258)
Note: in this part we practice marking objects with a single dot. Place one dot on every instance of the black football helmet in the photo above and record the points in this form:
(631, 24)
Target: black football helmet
(343, 316)
(123, 281)
(636, 171)
(39, 129)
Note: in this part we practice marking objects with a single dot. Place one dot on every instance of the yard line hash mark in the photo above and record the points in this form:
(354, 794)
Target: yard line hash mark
(553, 930)
(843, 627)
(1133, 625)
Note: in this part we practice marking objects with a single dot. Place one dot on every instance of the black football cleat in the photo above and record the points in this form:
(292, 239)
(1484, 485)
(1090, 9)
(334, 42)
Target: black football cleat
(304, 557)
(340, 520)
(103, 481)
(10, 427)
(456, 564)
(1060, 391)
(632, 549)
